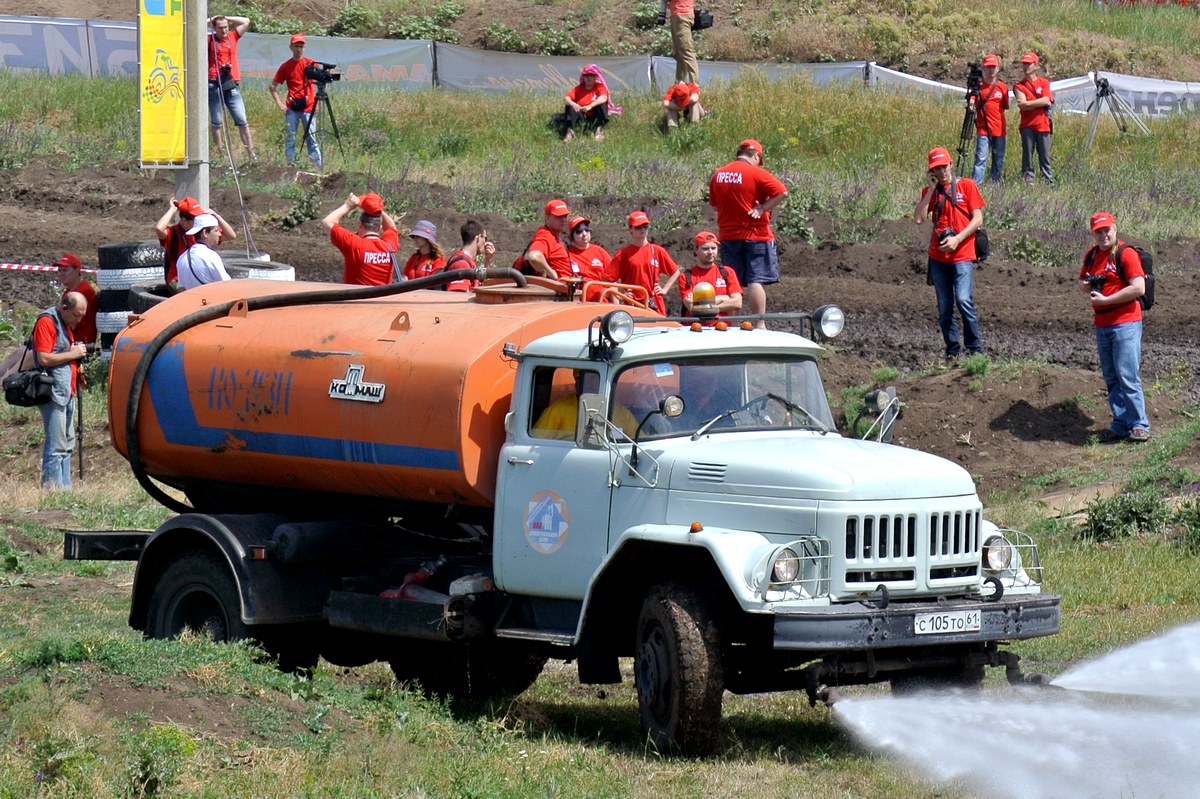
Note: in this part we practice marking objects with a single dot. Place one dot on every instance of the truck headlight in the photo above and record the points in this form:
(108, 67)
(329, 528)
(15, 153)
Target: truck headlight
(997, 554)
(617, 326)
(786, 567)
(829, 321)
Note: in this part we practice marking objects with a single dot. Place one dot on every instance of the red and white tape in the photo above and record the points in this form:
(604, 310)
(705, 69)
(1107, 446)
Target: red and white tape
(37, 268)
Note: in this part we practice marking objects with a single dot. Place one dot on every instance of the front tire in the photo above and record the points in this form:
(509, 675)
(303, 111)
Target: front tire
(678, 671)
(196, 592)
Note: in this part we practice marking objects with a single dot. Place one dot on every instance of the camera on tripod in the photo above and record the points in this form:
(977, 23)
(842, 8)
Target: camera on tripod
(322, 72)
(974, 78)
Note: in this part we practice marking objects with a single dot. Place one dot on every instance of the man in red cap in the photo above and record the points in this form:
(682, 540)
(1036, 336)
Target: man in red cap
(641, 263)
(172, 232)
(369, 255)
(743, 194)
(708, 269)
(70, 275)
(224, 76)
(683, 99)
(298, 104)
(1113, 279)
(956, 208)
(1034, 99)
(990, 124)
(546, 254)
(589, 261)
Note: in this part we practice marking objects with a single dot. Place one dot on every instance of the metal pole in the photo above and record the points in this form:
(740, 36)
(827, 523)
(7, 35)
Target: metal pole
(193, 181)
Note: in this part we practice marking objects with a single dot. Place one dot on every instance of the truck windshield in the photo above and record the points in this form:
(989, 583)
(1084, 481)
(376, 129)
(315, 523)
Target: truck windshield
(724, 395)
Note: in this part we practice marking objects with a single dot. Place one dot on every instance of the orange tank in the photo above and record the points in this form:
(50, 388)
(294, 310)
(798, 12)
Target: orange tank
(401, 397)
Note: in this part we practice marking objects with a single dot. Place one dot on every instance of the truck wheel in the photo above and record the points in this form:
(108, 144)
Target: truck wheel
(196, 592)
(678, 672)
(479, 670)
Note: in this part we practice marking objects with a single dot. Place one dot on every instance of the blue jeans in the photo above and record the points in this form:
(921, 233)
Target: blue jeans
(953, 284)
(233, 101)
(1120, 348)
(58, 424)
(298, 119)
(982, 145)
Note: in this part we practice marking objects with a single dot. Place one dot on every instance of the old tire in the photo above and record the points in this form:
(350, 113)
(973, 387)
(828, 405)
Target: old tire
(144, 298)
(112, 321)
(239, 268)
(479, 670)
(125, 279)
(678, 672)
(130, 254)
(196, 592)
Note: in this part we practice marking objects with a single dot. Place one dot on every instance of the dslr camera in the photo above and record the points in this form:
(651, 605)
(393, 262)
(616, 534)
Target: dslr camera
(946, 233)
(321, 72)
(1095, 282)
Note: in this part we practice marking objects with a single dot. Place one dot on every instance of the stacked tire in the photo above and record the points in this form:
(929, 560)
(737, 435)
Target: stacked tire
(240, 267)
(123, 267)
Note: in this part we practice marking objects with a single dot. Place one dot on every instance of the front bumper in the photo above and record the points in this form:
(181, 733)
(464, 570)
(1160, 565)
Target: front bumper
(857, 626)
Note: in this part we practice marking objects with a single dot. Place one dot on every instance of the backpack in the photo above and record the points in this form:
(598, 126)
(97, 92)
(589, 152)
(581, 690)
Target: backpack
(1147, 299)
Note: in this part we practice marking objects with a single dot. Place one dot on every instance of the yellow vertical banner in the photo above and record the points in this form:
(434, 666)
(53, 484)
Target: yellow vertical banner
(161, 97)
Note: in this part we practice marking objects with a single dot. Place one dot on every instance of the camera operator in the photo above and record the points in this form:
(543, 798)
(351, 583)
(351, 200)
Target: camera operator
(299, 103)
(956, 208)
(991, 103)
(683, 49)
(224, 74)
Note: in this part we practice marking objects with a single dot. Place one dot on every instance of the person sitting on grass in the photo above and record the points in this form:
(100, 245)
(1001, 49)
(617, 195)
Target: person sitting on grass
(588, 103)
(683, 99)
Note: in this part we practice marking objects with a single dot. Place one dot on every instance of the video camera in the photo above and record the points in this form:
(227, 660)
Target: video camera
(974, 78)
(321, 72)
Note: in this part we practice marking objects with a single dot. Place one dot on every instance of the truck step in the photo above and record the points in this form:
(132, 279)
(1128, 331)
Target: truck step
(531, 634)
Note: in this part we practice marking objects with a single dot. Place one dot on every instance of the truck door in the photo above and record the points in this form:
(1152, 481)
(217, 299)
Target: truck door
(552, 498)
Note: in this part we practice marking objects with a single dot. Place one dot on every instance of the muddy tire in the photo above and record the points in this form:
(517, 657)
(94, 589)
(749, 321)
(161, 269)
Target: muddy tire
(196, 592)
(240, 268)
(112, 321)
(678, 672)
(144, 298)
(479, 670)
(130, 254)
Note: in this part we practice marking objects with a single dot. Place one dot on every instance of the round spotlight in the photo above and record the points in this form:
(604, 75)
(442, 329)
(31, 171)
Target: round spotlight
(786, 567)
(617, 326)
(997, 554)
(829, 320)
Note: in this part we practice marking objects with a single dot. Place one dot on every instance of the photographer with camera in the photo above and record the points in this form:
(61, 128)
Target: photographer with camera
(956, 208)
(60, 354)
(1113, 279)
(683, 21)
(991, 103)
(224, 75)
(299, 103)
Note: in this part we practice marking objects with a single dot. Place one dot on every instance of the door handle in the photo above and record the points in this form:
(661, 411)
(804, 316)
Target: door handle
(515, 461)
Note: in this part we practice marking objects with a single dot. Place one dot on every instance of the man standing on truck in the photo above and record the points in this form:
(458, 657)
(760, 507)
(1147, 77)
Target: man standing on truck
(709, 269)
(474, 243)
(641, 263)
(369, 256)
(56, 351)
(1113, 279)
(743, 194)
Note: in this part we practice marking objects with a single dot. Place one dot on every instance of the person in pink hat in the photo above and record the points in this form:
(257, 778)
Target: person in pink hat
(589, 103)
(956, 208)
(990, 125)
(1034, 99)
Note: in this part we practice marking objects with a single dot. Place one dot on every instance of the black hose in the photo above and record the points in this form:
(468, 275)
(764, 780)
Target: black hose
(209, 313)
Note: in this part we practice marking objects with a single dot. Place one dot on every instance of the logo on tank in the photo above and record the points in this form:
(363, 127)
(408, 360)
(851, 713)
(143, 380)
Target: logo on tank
(547, 521)
(353, 387)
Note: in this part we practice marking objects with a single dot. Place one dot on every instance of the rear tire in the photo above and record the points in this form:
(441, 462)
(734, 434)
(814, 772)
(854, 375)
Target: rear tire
(196, 592)
(678, 671)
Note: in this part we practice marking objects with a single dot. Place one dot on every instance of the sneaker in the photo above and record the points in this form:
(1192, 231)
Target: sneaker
(1139, 434)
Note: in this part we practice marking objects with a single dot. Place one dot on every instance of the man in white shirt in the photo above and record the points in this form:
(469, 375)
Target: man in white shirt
(200, 264)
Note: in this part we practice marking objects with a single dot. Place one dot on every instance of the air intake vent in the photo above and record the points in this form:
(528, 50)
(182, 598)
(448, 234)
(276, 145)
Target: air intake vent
(708, 472)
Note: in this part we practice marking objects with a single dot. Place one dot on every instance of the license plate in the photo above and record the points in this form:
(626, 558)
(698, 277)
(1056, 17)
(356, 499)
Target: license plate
(947, 622)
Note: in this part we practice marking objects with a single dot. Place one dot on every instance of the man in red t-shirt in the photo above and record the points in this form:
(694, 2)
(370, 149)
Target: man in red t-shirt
(1113, 279)
(743, 194)
(708, 269)
(546, 255)
(56, 351)
(683, 99)
(990, 124)
(474, 244)
(174, 238)
(70, 275)
(588, 261)
(224, 75)
(369, 255)
(298, 104)
(641, 263)
(1034, 99)
(956, 208)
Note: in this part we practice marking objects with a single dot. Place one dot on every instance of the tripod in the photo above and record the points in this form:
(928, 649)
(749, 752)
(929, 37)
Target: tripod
(323, 100)
(966, 138)
(1118, 106)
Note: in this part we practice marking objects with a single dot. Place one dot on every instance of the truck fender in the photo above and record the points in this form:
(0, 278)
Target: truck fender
(270, 592)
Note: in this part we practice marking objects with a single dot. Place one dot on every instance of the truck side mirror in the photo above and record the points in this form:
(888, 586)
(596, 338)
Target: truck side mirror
(589, 421)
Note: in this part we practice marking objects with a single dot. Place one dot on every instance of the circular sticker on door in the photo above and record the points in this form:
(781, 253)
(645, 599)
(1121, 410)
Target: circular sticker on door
(547, 521)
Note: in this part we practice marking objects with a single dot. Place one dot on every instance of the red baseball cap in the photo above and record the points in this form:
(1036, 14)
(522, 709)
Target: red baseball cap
(750, 144)
(1030, 58)
(297, 38)
(939, 156)
(371, 204)
(638, 218)
(1102, 219)
(991, 60)
(189, 206)
(576, 221)
(557, 208)
(704, 237)
(69, 260)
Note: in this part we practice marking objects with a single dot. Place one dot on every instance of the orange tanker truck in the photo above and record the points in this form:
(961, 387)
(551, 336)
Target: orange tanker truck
(468, 485)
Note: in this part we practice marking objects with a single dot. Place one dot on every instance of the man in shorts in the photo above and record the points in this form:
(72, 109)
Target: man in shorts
(224, 77)
(743, 195)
